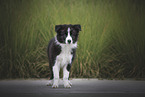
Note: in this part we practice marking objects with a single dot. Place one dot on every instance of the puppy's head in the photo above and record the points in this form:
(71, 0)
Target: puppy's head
(67, 34)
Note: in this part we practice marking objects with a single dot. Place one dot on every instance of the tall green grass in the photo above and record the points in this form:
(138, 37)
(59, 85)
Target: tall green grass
(111, 43)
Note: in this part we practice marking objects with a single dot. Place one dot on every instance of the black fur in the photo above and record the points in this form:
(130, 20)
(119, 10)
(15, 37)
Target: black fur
(52, 51)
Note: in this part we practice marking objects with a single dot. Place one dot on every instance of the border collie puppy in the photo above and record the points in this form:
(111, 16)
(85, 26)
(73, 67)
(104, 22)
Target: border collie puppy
(61, 52)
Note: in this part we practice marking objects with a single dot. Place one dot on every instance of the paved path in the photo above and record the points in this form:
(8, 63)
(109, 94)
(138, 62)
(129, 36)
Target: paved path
(81, 88)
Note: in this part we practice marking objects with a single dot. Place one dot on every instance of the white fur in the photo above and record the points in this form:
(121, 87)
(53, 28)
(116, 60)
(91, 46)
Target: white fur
(68, 36)
(62, 60)
(56, 69)
(65, 56)
(65, 77)
(50, 83)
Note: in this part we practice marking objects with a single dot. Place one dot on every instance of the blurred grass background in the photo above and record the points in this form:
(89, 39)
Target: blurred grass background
(111, 43)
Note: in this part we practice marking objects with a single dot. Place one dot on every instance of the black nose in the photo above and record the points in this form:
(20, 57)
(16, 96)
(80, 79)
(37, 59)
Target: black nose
(69, 41)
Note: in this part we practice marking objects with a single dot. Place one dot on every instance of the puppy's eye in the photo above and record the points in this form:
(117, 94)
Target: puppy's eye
(74, 33)
(65, 33)
(71, 33)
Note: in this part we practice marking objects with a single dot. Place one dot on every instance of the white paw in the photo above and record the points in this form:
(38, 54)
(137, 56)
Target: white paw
(50, 82)
(67, 84)
(55, 84)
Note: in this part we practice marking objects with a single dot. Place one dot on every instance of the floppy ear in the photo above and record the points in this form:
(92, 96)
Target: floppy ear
(57, 27)
(78, 27)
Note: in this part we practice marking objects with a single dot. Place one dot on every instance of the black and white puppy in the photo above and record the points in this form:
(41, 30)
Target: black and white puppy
(61, 52)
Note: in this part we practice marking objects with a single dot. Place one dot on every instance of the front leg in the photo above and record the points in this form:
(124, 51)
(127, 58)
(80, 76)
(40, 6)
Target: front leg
(66, 70)
(56, 69)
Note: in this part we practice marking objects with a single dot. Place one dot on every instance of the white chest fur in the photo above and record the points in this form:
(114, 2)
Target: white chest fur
(65, 57)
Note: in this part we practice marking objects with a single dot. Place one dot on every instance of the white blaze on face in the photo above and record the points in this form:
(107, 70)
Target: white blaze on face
(68, 38)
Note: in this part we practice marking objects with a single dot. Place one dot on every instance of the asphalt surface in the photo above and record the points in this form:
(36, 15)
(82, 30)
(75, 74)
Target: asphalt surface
(80, 87)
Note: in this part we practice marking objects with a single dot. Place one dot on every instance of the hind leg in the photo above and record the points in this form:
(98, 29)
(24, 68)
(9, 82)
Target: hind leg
(51, 71)
(50, 82)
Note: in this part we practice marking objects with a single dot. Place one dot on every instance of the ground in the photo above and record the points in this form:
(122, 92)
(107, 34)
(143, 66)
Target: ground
(80, 87)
